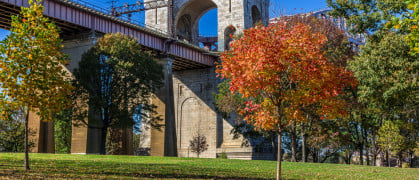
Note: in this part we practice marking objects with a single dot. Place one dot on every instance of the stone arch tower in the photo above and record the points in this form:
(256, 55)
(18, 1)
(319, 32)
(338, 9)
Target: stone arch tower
(237, 14)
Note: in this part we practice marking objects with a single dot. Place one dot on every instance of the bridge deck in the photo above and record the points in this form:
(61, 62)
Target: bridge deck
(75, 19)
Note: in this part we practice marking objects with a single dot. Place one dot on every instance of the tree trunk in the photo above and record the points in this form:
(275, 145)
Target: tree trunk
(274, 148)
(374, 159)
(103, 141)
(293, 145)
(314, 154)
(278, 168)
(374, 148)
(412, 158)
(348, 157)
(400, 160)
(367, 155)
(361, 154)
(303, 147)
(388, 159)
(26, 140)
(318, 155)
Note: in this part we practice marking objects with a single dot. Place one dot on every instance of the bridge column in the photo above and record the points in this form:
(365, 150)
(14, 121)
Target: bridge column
(41, 134)
(163, 141)
(81, 134)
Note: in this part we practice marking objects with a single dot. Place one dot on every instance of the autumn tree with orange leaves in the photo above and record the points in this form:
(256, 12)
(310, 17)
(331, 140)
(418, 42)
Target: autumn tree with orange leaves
(283, 69)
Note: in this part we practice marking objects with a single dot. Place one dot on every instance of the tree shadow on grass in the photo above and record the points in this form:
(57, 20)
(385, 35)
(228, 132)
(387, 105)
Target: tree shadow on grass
(170, 171)
(114, 169)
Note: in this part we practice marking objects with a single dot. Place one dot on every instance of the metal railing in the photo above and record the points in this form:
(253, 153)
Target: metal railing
(208, 35)
(107, 11)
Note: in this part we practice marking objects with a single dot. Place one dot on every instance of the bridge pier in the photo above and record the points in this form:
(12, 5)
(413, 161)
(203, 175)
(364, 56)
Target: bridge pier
(82, 136)
(163, 140)
(41, 134)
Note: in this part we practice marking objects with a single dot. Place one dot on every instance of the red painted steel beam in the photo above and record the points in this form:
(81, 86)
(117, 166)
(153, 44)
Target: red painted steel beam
(78, 15)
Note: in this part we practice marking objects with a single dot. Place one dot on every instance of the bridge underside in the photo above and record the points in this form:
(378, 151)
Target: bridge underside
(70, 31)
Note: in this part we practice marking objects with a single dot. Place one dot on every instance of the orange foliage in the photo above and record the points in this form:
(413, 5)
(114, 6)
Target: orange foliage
(283, 69)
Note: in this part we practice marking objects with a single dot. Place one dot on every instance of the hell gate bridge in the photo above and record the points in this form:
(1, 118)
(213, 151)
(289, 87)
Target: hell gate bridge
(171, 32)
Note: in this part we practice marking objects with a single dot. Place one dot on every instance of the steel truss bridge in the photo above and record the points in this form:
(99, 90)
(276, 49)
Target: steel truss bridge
(76, 17)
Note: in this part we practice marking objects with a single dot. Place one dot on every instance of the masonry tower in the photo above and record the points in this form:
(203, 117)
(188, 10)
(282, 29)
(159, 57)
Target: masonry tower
(193, 89)
(233, 16)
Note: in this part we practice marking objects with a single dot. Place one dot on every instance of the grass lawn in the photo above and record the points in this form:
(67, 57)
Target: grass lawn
(129, 167)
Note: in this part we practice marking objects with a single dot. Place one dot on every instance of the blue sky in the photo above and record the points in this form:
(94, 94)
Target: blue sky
(278, 7)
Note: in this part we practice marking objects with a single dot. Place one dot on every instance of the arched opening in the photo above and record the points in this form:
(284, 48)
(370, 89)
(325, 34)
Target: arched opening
(184, 28)
(196, 22)
(256, 17)
(228, 36)
(208, 30)
(189, 124)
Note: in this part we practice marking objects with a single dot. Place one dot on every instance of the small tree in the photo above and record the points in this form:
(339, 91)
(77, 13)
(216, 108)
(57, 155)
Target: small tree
(12, 133)
(32, 74)
(282, 69)
(390, 139)
(198, 144)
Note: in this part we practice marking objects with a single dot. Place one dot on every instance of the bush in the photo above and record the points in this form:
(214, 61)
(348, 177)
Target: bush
(12, 134)
(198, 144)
(405, 165)
(223, 155)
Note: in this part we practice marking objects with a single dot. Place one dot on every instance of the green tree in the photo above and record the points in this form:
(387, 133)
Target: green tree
(390, 139)
(367, 15)
(32, 74)
(114, 77)
(409, 22)
(62, 131)
(12, 133)
(387, 76)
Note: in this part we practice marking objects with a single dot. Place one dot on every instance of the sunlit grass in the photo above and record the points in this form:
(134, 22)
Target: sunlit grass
(128, 167)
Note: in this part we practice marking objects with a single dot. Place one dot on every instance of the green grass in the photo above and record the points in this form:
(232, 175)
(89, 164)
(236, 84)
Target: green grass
(129, 167)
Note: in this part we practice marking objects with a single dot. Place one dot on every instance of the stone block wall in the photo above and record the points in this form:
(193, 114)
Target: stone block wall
(236, 13)
(196, 114)
(157, 18)
(194, 109)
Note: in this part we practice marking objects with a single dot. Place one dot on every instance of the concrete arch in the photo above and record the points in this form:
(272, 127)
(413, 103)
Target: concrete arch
(256, 16)
(184, 28)
(190, 119)
(195, 9)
